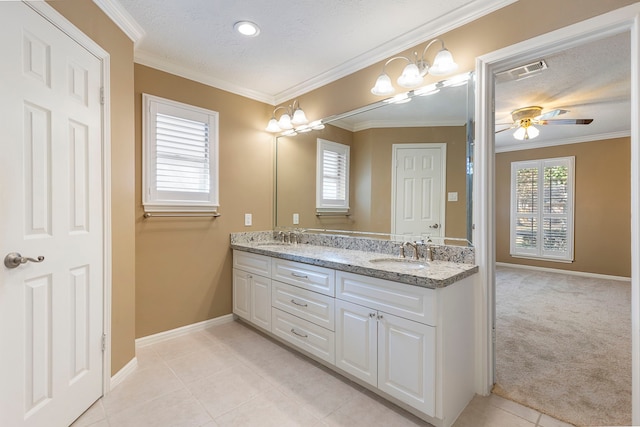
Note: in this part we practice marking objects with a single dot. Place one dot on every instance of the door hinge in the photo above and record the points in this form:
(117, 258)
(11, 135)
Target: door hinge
(493, 335)
(104, 342)
(101, 96)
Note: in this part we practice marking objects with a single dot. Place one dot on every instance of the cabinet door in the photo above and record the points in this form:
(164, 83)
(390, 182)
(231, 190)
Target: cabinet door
(261, 302)
(407, 361)
(242, 294)
(356, 348)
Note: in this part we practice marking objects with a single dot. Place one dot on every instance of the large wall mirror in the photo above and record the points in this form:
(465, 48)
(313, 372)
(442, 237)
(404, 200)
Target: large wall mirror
(384, 138)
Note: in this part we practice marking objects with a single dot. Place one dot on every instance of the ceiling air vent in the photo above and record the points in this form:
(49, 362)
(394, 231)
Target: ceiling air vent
(521, 72)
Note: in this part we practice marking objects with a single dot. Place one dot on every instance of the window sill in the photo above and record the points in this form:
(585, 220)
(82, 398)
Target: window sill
(549, 259)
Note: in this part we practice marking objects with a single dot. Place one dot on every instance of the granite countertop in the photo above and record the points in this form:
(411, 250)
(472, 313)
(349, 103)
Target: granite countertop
(437, 274)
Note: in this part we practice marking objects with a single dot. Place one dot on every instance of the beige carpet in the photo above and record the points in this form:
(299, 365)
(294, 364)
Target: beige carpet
(563, 345)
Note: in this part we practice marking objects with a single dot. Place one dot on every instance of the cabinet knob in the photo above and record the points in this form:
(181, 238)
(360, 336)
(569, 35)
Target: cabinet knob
(372, 315)
(379, 316)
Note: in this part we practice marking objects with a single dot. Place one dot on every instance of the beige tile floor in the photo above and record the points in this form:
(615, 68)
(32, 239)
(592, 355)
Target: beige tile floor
(231, 375)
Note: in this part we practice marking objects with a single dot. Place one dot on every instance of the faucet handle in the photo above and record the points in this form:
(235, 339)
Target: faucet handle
(401, 246)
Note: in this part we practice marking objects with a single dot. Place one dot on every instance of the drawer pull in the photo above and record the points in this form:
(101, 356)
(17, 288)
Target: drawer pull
(293, 331)
(297, 303)
(301, 276)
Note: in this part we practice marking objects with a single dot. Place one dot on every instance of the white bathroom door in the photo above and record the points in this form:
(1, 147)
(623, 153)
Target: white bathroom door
(51, 311)
(419, 188)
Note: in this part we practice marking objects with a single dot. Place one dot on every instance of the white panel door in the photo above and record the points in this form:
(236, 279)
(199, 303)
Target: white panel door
(51, 312)
(407, 361)
(356, 341)
(419, 191)
(261, 302)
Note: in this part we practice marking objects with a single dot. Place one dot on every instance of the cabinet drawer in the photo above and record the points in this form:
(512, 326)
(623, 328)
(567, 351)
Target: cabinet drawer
(311, 277)
(411, 302)
(307, 336)
(253, 263)
(311, 306)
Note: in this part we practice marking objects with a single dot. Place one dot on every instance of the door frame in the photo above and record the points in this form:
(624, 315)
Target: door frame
(443, 178)
(626, 19)
(62, 23)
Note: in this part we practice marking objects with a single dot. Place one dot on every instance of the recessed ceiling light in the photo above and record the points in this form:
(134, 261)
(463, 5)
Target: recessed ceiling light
(247, 28)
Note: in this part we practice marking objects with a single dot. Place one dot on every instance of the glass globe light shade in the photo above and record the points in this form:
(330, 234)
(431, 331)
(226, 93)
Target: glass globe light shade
(299, 118)
(285, 122)
(383, 86)
(410, 76)
(443, 64)
(273, 125)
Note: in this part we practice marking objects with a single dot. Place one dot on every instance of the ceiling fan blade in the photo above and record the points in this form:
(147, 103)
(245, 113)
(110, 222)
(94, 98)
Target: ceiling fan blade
(550, 114)
(509, 128)
(565, 122)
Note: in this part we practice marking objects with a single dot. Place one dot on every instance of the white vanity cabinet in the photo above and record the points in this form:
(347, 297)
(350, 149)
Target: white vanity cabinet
(392, 353)
(252, 288)
(411, 344)
(303, 302)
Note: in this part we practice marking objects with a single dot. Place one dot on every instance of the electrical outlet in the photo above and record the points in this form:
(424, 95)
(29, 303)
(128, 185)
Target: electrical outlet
(296, 219)
(247, 219)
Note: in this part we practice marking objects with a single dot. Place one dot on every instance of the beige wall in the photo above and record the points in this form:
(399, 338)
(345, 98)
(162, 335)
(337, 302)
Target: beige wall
(602, 205)
(89, 18)
(183, 266)
(372, 155)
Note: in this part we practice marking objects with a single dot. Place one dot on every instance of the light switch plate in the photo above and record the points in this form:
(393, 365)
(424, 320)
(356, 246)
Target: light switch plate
(452, 196)
(247, 219)
(296, 219)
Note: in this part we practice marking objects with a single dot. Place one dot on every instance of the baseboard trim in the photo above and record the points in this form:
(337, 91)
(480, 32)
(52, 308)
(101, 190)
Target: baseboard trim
(560, 271)
(183, 330)
(123, 373)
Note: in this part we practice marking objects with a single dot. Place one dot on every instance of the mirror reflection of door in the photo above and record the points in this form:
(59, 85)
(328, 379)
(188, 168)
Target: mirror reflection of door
(419, 180)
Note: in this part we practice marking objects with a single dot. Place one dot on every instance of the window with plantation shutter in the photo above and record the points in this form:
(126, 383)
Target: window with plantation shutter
(180, 145)
(542, 206)
(332, 179)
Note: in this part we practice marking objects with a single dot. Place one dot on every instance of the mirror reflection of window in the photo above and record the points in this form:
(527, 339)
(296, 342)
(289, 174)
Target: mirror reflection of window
(332, 179)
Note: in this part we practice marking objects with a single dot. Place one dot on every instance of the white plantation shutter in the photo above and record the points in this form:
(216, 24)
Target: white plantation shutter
(332, 192)
(181, 152)
(542, 206)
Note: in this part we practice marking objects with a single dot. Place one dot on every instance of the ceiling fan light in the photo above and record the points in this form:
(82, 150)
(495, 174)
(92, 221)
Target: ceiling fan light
(410, 76)
(285, 122)
(443, 64)
(520, 133)
(532, 132)
(299, 118)
(273, 126)
(383, 86)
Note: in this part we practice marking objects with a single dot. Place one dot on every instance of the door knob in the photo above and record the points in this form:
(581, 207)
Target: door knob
(14, 259)
(434, 226)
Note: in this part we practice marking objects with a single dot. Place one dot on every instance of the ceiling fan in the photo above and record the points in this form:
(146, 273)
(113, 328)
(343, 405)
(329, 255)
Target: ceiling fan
(525, 118)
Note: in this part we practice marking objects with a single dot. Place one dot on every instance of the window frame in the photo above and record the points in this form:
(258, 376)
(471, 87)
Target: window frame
(539, 253)
(154, 200)
(326, 205)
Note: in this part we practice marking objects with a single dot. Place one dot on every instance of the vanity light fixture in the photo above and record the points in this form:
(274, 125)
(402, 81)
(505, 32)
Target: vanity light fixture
(247, 28)
(293, 116)
(414, 72)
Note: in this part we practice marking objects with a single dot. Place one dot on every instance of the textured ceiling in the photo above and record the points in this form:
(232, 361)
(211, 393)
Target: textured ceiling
(592, 81)
(302, 44)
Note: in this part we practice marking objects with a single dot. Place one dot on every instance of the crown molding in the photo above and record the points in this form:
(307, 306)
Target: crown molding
(543, 144)
(473, 10)
(443, 24)
(377, 124)
(143, 58)
(119, 15)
